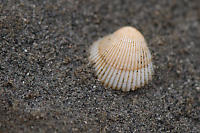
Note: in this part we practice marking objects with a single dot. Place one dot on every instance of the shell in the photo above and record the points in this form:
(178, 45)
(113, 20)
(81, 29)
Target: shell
(122, 60)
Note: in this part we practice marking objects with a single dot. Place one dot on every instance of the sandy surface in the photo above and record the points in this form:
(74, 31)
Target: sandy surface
(47, 84)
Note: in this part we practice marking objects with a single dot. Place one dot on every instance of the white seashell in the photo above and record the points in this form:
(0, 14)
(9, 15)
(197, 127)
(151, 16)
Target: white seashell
(122, 60)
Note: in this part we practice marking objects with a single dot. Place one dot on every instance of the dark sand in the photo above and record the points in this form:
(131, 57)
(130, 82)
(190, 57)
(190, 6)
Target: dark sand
(47, 84)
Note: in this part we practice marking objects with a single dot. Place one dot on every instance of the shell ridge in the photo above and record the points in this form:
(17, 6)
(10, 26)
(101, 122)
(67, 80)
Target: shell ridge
(138, 66)
(133, 66)
(107, 79)
(130, 66)
(93, 52)
(116, 70)
(100, 55)
(120, 63)
(100, 62)
(145, 72)
(124, 61)
(108, 62)
(112, 77)
(127, 87)
(149, 73)
(127, 61)
(146, 67)
(119, 85)
(108, 66)
(143, 64)
(116, 79)
(104, 65)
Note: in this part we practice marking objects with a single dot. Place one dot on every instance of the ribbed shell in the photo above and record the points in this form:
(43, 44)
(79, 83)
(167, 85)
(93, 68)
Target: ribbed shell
(122, 60)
